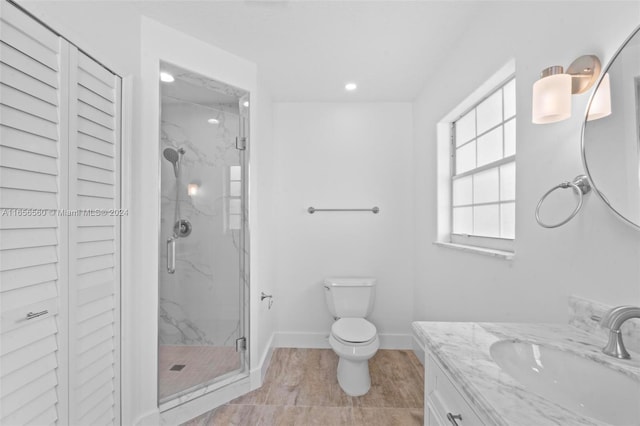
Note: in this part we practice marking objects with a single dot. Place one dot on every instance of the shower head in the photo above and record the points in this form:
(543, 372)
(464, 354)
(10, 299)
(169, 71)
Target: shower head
(173, 157)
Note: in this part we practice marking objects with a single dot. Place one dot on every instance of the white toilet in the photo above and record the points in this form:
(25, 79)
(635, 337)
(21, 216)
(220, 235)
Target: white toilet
(353, 338)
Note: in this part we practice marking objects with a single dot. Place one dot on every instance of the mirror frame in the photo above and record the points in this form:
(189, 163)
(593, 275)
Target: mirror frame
(594, 186)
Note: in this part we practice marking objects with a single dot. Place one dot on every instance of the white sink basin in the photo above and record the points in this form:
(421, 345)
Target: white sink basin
(578, 384)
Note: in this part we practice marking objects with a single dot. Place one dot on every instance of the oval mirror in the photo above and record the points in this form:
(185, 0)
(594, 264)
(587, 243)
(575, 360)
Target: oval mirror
(611, 133)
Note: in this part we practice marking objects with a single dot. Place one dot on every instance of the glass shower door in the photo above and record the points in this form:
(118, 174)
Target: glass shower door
(202, 237)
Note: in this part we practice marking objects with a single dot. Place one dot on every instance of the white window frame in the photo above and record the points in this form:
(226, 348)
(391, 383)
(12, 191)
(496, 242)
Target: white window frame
(501, 247)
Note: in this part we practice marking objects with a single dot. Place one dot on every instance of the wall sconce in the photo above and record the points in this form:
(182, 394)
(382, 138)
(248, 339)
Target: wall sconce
(601, 103)
(552, 93)
(192, 189)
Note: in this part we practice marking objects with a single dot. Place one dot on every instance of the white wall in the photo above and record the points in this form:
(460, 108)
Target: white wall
(595, 255)
(342, 155)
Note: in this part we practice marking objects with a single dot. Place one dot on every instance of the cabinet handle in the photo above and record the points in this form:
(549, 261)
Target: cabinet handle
(32, 315)
(453, 417)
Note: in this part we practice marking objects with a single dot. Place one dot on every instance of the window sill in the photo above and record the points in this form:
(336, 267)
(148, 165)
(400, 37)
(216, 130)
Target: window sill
(506, 255)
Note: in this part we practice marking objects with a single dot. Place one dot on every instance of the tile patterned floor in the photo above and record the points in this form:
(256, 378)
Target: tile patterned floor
(301, 388)
(201, 364)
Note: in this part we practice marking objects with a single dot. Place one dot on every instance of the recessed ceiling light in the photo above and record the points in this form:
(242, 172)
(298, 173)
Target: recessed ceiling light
(350, 87)
(166, 77)
(213, 121)
(245, 104)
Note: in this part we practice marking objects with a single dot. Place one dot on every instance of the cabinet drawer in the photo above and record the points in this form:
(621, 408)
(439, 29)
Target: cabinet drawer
(443, 398)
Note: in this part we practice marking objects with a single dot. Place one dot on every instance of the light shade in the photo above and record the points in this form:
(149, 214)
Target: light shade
(601, 103)
(551, 99)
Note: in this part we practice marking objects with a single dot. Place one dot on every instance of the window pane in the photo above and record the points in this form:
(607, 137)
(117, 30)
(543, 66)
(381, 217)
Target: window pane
(510, 99)
(235, 173)
(508, 220)
(489, 112)
(490, 147)
(234, 206)
(510, 137)
(463, 220)
(485, 186)
(486, 221)
(462, 191)
(466, 128)
(234, 221)
(235, 189)
(466, 157)
(508, 182)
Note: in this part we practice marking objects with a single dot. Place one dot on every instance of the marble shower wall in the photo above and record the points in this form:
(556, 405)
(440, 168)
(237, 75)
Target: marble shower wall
(200, 302)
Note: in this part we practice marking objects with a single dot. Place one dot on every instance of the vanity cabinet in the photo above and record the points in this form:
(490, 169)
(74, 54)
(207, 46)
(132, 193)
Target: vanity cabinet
(444, 404)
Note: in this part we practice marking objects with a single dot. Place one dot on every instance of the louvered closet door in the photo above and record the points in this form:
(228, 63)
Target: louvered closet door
(59, 230)
(93, 242)
(32, 244)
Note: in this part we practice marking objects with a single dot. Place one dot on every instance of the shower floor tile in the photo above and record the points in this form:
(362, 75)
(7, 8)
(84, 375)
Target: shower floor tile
(301, 388)
(201, 364)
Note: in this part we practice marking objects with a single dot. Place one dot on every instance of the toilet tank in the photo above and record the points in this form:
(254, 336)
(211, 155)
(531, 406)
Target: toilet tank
(350, 297)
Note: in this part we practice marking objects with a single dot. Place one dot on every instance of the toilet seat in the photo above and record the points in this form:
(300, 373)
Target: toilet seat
(354, 330)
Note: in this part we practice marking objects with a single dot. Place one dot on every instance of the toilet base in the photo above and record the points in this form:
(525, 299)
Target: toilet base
(353, 376)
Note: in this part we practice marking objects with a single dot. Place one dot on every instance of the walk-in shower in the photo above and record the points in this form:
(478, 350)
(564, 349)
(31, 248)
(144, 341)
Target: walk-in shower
(203, 281)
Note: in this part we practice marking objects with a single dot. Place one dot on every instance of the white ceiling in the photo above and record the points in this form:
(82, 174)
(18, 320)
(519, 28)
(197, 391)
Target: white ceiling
(308, 50)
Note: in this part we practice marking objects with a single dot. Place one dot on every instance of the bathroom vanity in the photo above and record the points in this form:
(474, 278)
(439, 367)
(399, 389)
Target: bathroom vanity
(476, 374)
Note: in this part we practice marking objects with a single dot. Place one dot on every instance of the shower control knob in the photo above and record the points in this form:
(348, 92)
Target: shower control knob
(182, 228)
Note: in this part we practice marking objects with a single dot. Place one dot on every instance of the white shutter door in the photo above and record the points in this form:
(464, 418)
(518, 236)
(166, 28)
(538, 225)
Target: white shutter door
(32, 242)
(94, 317)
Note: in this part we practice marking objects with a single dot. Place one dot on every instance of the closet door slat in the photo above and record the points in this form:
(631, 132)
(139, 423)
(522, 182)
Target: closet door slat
(94, 114)
(29, 123)
(28, 142)
(31, 28)
(18, 60)
(95, 100)
(28, 44)
(27, 180)
(22, 101)
(20, 79)
(25, 277)
(90, 82)
(38, 368)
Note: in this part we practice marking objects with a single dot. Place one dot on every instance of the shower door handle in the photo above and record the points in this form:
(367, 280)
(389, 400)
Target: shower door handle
(171, 255)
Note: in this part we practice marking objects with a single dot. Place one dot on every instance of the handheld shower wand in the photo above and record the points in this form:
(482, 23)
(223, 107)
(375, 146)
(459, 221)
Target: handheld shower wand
(181, 228)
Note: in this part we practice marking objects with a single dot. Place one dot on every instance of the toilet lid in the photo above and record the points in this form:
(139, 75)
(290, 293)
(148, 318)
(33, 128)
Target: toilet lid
(354, 330)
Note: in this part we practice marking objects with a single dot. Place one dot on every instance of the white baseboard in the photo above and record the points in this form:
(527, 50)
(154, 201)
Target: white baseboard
(266, 358)
(321, 340)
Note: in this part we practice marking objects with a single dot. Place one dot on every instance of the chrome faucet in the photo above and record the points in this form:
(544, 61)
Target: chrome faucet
(613, 320)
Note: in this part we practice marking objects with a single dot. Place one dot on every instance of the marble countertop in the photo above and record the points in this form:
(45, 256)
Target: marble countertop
(463, 350)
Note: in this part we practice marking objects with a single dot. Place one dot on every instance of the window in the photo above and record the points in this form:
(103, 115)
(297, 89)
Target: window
(483, 171)
(234, 205)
